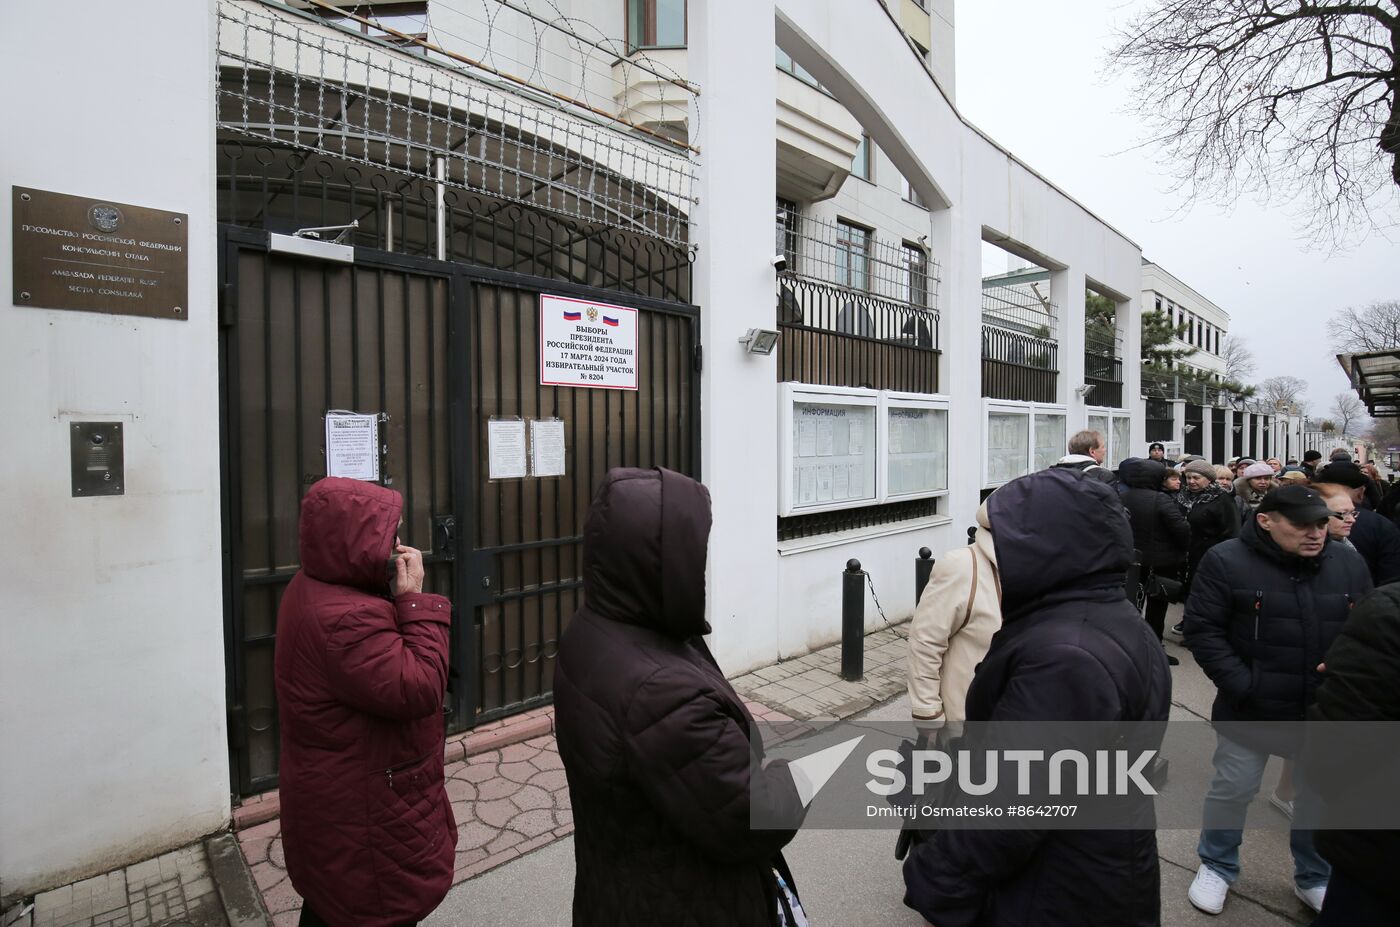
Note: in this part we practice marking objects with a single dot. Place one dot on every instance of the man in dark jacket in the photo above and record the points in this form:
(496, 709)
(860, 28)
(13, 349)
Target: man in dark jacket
(361, 669)
(1160, 532)
(1086, 453)
(1311, 461)
(1263, 609)
(1071, 648)
(663, 764)
(1359, 684)
(1376, 538)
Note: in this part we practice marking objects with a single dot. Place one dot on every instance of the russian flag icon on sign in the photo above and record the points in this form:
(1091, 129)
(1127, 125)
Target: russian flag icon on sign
(573, 316)
(609, 320)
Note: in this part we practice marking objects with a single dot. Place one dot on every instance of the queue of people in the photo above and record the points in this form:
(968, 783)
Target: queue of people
(664, 771)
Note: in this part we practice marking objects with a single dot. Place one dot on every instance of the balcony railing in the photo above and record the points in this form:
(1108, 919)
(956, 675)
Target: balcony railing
(1018, 366)
(853, 309)
(1103, 370)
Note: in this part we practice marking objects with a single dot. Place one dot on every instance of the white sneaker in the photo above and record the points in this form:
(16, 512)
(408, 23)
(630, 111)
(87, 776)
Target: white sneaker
(1208, 891)
(1312, 897)
(1285, 806)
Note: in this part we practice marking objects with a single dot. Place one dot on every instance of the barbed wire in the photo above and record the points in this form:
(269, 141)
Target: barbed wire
(301, 82)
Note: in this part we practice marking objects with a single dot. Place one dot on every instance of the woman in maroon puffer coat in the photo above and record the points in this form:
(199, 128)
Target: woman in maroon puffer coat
(361, 669)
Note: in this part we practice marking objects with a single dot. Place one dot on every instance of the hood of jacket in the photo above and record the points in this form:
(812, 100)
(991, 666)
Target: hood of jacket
(1057, 532)
(1139, 473)
(346, 533)
(645, 543)
(1081, 461)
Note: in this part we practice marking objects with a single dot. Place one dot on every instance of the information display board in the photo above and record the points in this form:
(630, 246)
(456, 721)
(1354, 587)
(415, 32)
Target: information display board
(833, 461)
(1008, 446)
(1120, 441)
(1050, 439)
(1021, 437)
(917, 442)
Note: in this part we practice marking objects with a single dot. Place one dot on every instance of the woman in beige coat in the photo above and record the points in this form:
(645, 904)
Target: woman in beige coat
(958, 613)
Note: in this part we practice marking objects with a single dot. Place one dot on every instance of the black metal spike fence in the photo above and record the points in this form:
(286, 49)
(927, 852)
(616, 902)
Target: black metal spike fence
(264, 186)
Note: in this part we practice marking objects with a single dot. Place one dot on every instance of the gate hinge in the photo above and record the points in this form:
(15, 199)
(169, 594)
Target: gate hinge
(226, 313)
(699, 358)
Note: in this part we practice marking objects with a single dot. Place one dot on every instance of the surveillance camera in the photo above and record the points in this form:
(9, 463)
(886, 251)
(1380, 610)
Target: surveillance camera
(780, 262)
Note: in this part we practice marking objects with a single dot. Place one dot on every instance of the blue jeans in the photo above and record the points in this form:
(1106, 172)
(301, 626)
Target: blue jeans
(1238, 772)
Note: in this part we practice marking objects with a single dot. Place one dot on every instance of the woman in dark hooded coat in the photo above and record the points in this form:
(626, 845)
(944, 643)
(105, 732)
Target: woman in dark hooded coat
(1071, 648)
(1160, 531)
(663, 759)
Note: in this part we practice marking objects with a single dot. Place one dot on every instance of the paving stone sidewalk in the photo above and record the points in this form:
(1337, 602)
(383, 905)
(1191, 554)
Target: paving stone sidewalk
(176, 888)
(508, 792)
(811, 686)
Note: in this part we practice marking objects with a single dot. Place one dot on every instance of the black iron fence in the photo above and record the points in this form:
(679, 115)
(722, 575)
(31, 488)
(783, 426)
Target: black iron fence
(835, 336)
(1018, 366)
(1159, 420)
(283, 190)
(1194, 442)
(1103, 370)
(795, 527)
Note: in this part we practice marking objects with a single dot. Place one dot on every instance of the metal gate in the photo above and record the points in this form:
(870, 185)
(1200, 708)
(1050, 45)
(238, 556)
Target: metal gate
(440, 348)
(1194, 430)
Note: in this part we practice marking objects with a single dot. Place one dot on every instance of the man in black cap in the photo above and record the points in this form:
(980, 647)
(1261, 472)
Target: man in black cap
(1311, 461)
(1157, 451)
(1263, 610)
(1376, 537)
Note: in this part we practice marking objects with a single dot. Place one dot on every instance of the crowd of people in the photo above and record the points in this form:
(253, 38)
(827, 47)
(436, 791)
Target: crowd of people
(1274, 561)
(1269, 559)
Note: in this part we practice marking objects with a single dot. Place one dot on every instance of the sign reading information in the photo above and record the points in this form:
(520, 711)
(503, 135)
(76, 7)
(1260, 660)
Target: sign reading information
(72, 252)
(587, 344)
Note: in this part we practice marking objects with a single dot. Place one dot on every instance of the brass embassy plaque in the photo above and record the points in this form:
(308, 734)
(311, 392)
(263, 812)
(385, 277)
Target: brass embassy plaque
(72, 252)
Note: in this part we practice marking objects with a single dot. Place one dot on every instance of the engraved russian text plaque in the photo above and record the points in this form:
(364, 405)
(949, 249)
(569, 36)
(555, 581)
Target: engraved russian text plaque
(73, 252)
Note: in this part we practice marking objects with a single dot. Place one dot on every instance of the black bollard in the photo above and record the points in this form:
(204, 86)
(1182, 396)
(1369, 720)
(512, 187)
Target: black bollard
(972, 535)
(922, 568)
(852, 622)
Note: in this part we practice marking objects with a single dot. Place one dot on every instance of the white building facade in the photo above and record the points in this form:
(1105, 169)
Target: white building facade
(643, 170)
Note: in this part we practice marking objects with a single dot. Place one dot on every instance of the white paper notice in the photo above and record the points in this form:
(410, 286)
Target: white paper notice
(841, 483)
(857, 437)
(546, 447)
(506, 450)
(352, 445)
(826, 437)
(857, 482)
(807, 487)
(823, 484)
(806, 438)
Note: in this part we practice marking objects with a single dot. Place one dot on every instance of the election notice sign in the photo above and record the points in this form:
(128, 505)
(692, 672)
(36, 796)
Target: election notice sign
(588, 344)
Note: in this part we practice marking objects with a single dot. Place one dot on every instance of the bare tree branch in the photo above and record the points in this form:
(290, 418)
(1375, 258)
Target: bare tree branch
(1374, 327)
(1347, 410)
(1294, 99)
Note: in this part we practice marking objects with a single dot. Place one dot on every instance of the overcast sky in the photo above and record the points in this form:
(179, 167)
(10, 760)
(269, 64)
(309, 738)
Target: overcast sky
(1033, 78)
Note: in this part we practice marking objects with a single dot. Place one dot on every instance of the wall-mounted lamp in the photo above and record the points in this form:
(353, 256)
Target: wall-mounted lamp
(759, 341)
(1084, 389)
